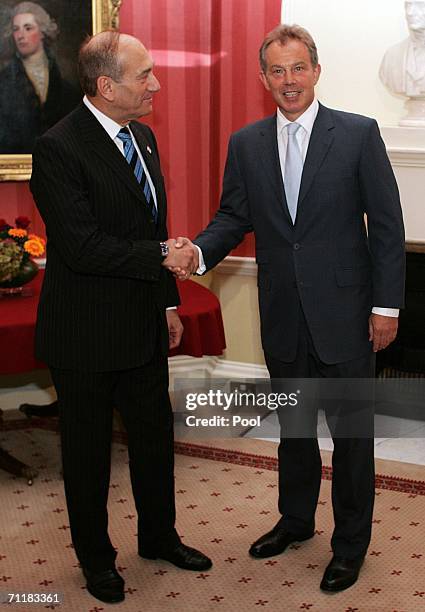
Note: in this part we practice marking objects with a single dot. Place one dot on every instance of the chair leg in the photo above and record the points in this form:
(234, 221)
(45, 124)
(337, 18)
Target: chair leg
(16, 467)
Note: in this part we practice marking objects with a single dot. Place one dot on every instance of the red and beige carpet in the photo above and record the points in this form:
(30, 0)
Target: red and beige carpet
(226, 497)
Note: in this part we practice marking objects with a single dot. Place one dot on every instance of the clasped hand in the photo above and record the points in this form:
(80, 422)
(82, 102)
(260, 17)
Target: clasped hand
(182, 259)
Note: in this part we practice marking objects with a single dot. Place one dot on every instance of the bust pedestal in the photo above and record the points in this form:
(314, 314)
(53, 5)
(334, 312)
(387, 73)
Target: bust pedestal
(415, 113)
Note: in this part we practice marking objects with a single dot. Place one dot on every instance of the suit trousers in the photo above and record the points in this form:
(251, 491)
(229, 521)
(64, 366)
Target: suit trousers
(86, 401)
(300, 463)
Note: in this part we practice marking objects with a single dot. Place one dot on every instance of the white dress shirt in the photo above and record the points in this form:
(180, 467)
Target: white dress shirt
(112, 128)
(306, 121)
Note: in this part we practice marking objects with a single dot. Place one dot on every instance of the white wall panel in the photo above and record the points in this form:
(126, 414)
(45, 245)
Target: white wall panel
(352, 37)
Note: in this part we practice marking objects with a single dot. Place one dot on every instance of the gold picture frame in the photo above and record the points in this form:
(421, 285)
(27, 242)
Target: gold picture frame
(104, 15)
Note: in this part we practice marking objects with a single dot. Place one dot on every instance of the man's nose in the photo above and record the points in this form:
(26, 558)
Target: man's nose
(153, 83)
(288, 77)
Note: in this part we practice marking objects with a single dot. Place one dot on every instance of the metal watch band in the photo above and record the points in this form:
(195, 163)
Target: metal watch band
(164, 249)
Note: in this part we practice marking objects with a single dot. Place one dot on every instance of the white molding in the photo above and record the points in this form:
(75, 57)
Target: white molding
(225, 368)
(181, 366)
(214, 367)
(405, 145)
(184, 364)
(412, 158)
(239, 266)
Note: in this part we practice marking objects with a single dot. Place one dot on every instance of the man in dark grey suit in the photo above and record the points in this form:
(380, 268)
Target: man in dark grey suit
(329, 289)
(106, 318)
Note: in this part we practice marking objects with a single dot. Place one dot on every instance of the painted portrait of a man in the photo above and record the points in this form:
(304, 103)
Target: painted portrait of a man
(38, 73)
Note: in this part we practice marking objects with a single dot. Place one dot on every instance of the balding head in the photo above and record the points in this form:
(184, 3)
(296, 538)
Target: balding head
(116, 73)
(103, 55)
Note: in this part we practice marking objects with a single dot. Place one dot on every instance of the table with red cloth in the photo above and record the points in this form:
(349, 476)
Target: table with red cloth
(199, 311)
(200, 314)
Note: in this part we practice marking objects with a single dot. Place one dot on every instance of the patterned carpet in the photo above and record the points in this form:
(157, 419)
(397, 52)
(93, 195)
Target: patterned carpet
(226, 498)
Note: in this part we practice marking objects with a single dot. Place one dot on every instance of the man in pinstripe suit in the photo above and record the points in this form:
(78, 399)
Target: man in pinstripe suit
(105, 318)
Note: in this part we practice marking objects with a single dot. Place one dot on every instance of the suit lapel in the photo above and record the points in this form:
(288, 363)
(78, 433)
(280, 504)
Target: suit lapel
(96, 138)
(320, 142)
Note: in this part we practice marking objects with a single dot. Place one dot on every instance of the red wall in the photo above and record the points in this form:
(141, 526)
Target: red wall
(206, 55)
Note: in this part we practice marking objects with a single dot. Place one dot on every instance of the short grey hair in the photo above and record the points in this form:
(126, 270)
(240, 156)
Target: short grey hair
(98, 56)
(281, 34)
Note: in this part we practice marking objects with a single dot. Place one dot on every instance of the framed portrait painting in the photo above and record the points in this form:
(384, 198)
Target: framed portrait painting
(39, 42)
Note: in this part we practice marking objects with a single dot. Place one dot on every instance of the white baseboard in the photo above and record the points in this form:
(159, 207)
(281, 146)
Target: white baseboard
(17, 390)
(214, 367)
(29, 388)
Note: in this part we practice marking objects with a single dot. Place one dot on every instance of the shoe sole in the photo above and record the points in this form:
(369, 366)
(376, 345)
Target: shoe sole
(193, 569)
(328, 589)
(111, 601)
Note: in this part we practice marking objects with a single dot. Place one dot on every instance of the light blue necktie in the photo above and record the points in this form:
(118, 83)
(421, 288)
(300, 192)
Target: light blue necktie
(136, 165)
(293, 170)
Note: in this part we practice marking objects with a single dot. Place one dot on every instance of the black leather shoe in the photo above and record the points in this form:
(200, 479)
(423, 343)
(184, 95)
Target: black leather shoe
(341, 573)
(275, 542)
(106, 585)
(182, 556)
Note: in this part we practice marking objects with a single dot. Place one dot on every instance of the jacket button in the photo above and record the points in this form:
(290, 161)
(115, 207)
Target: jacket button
(297, 246)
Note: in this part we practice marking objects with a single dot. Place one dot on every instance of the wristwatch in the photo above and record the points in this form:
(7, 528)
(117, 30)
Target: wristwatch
(164, 249)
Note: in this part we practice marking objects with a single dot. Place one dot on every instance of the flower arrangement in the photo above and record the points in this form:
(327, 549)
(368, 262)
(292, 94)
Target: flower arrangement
(17, 247)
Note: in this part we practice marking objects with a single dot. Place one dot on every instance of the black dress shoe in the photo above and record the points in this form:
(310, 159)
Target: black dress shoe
(275, 542)
(106, 585)
(180, 555)
(341, 573)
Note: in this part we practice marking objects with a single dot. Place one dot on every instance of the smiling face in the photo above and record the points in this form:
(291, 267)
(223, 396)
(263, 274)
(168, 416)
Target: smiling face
(27, 34)
(290, 77)
(133, 93)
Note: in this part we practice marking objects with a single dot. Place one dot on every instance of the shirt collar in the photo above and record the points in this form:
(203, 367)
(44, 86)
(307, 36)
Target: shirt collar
(111, 126)
(307, 119)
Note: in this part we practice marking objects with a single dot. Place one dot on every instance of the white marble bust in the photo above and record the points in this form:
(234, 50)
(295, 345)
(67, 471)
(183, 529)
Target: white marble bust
(402, 69)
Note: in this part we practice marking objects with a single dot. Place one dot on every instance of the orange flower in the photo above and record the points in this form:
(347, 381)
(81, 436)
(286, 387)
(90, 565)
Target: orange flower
(34, 248)
(38, 238)
(17, 233)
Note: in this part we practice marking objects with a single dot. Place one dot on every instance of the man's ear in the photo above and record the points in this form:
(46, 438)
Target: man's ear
(317, 72)
(264, 80)
(105, 87)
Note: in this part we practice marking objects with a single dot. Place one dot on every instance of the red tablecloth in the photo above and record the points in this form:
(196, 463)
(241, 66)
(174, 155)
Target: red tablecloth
(200, 314)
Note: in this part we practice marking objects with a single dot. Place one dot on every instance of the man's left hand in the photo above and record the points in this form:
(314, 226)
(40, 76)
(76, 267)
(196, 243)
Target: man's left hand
(382, 331)
(175, 328)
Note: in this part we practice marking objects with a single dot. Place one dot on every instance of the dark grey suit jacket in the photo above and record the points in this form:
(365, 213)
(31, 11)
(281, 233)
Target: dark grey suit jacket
(104, 296)
(327, 262)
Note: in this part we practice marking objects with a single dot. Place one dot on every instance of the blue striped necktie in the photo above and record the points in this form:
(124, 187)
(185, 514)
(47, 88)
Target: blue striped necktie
(136, 165)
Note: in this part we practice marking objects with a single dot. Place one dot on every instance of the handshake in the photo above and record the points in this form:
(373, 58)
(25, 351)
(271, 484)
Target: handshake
(182, 259)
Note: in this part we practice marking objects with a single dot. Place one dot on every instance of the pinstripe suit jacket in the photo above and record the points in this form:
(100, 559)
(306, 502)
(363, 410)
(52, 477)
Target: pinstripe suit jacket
(102, 305)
